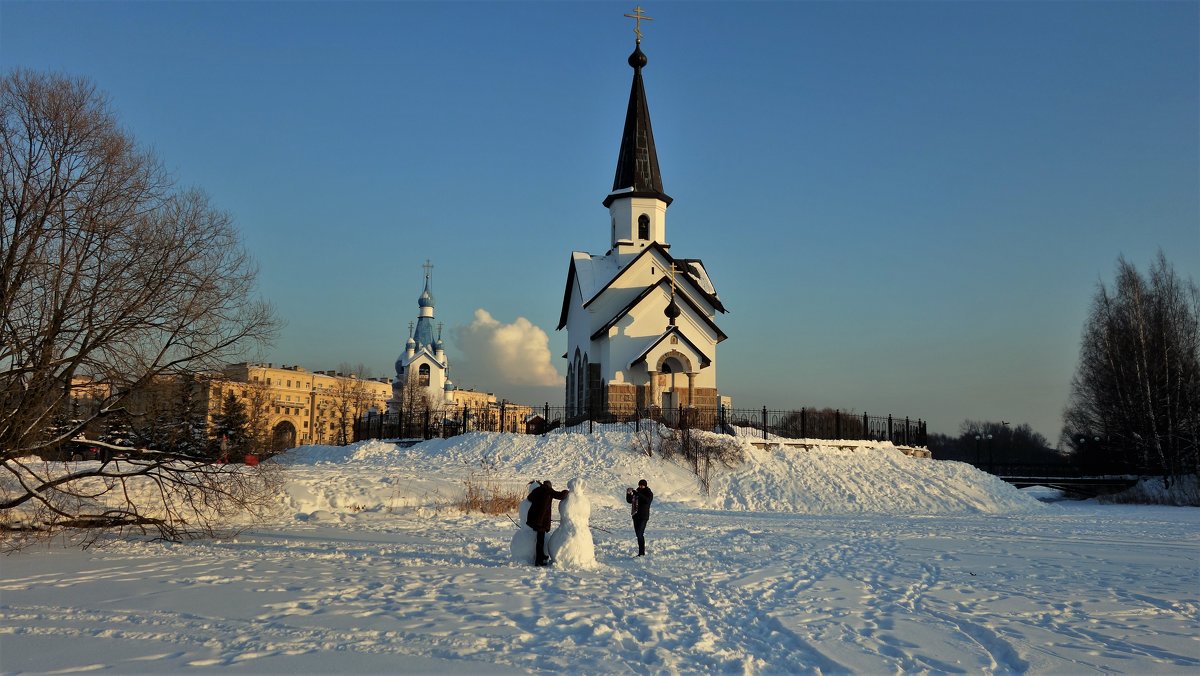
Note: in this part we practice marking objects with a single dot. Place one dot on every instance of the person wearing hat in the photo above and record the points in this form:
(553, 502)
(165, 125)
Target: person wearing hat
(640, 498)
(540, 499)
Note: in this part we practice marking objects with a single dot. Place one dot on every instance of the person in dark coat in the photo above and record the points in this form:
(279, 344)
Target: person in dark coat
(640, 498)
(538, 519)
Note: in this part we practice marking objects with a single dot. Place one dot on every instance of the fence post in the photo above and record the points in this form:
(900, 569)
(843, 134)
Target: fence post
(866, 428)
(764, 421)
(546, 418)
(837, 424)
(803, 423)
(425, 430)
(906, 443)
(502, 410)
(891, 436)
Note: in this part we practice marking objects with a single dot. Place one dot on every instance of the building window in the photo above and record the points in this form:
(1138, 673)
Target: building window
(268, 381)
(423, 375)
(643, 227)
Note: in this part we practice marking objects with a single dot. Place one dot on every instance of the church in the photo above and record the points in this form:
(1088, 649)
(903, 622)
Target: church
(423, 370)
(641, 323)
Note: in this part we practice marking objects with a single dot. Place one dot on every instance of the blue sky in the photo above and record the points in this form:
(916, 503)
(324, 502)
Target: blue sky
(905, 206)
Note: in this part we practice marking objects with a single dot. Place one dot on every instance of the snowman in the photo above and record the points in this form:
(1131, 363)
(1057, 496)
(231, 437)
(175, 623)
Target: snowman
(525, 539)
(571, 543)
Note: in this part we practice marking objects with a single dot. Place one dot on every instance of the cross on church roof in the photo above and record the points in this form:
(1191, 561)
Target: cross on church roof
(428, 269)
(638, 18)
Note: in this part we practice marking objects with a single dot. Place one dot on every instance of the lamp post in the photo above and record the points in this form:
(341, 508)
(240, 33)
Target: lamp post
(978, 438)
(1083, 441)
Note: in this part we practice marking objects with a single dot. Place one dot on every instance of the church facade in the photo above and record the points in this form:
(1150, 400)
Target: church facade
(641, 323)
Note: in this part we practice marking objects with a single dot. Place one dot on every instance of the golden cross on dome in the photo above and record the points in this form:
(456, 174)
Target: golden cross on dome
(638, 18)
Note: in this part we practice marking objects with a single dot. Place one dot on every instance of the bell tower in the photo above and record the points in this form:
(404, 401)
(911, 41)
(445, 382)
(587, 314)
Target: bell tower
(637, 205)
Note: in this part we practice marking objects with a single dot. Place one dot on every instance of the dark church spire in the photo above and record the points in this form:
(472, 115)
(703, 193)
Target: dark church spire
(637, 163)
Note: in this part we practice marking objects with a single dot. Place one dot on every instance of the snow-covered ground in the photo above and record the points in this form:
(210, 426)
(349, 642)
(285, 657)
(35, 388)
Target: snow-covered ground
(817, 561)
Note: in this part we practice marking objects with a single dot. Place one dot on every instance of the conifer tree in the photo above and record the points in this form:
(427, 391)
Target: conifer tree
(231, 427)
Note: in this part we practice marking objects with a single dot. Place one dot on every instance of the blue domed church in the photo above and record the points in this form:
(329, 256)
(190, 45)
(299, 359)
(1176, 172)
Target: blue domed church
(423, 370)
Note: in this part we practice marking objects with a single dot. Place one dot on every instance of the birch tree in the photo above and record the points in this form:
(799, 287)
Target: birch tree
(1135, 398)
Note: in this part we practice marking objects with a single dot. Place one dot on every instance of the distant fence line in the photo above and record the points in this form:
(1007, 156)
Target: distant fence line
(805, 423)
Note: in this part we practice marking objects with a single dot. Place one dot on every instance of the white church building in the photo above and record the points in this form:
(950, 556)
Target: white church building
(424, 362)
(641, 323)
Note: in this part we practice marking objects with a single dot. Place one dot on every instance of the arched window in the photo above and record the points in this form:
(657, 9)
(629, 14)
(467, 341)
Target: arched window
(580, 385)
(643, 227)
(571, 389)
(423, 375)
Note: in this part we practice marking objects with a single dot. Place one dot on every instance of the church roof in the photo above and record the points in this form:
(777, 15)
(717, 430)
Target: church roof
(637, 162)
(671, 330)
(596, 274)
(662, 282)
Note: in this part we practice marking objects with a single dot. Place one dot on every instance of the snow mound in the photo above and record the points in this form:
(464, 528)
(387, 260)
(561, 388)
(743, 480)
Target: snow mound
(863, 477)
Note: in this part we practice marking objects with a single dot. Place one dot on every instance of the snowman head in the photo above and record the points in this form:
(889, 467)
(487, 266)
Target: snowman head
(575, 485)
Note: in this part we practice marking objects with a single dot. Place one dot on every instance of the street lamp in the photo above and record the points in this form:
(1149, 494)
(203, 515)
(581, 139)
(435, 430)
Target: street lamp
(978, 438)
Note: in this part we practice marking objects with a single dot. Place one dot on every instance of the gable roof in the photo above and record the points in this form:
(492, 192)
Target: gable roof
(689, 274)
(672, 330)
(603, 272)
(642, 296)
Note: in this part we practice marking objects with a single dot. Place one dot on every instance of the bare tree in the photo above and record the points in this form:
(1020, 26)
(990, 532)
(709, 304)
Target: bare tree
(106, 273)
(350, 393)
(258, 414)
(1135, 398)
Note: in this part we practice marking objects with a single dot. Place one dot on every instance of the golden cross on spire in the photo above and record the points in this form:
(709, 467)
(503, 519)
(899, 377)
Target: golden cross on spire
(638, 18)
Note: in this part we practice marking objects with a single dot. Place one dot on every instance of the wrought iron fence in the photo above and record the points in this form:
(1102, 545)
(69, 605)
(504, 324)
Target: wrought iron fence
(805, 423)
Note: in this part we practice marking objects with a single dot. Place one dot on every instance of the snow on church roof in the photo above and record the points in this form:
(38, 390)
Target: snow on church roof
(593, 273)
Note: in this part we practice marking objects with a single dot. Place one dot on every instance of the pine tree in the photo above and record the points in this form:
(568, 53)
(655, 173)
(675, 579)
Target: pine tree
(232, 426)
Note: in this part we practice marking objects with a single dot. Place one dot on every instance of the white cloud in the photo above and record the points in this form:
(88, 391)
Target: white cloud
(497, 356)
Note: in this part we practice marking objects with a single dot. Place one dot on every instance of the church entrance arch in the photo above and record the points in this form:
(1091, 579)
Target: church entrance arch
(283, 437)
(673, 370)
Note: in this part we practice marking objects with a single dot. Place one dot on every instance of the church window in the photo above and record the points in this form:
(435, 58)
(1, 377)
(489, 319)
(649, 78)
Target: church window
(643, 227)
(674, 340)
(423, 375)
(581, 393)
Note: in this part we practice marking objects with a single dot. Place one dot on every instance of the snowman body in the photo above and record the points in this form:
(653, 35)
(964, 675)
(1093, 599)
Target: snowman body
(571, 543)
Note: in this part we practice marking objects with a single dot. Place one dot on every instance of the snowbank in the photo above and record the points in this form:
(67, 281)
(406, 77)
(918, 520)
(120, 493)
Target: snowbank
(376, 476)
